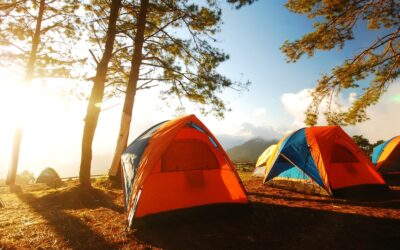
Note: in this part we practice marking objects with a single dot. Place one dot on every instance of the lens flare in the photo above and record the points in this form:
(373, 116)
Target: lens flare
(396, 98)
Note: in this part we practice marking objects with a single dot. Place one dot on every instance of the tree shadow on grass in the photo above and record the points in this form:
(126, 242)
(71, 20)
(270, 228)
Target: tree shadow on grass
(76, 233)
(390, 199)
(273, 227)
(78, 197)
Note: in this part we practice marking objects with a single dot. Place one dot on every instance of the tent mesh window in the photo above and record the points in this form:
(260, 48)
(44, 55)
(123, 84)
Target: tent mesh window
(187, 155)
(341, 154)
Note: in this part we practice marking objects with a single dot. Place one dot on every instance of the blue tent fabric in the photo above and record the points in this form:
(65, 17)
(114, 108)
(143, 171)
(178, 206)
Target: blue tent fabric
(131, 157)
(376, 153)
(294, 173)
(284, 169)
(195, 126)
(297, 151)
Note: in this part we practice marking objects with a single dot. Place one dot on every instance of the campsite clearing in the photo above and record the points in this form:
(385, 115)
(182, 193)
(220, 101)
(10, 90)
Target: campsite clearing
(70, 217)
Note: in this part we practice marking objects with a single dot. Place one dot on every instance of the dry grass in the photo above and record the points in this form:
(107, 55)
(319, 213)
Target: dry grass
(74, 218)
(64, 218)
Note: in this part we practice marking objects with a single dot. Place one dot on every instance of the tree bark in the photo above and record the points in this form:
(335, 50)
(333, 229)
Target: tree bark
(96, 97)
(30, 69)
(131, 89)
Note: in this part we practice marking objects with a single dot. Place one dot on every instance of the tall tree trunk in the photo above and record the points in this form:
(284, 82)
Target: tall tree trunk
(131, 89)
(30, 69)
(96, 97)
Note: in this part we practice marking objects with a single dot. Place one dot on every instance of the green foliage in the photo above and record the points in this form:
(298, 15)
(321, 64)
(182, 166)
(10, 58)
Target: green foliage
(333, 26)
(178, 51)
(58, 32)
(365, 145)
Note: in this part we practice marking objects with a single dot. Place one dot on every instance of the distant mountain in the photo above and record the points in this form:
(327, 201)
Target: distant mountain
(250, 150)
(229, 141)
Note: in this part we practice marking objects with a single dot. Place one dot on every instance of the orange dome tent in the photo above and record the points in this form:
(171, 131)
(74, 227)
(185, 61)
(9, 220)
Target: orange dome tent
(178, 164)
(323, 160)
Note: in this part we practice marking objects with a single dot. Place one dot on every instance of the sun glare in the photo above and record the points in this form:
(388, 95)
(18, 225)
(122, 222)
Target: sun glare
(9, 86)
(12, 94)
(36, 109)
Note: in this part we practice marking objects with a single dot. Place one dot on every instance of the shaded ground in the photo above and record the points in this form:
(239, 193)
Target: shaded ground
(72, 218)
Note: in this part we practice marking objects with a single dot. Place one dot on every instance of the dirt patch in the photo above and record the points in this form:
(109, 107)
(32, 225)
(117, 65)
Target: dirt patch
(74, 218)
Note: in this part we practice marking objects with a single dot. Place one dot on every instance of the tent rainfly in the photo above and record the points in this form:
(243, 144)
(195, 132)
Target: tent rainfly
(177, 164)
(322, 160)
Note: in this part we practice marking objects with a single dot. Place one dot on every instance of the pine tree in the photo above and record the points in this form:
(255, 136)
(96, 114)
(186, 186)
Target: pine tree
(334, 25)
(184, 65)
(99, 81)
(365, 144)
(181, 66)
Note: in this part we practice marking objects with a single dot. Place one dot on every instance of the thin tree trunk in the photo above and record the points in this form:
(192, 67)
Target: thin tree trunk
(131, 89)
(30, 69)
(96, 97)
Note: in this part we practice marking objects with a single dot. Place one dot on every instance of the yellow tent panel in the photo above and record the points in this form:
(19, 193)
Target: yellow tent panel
(259, 171)
(262, 160)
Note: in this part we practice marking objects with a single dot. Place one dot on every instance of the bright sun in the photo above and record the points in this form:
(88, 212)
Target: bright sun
(32, 108)
(22, 105)
(52, 125)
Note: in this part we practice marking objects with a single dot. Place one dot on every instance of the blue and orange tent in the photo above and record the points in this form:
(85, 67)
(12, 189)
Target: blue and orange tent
(322, 160)
(386, 157)
(178, 164)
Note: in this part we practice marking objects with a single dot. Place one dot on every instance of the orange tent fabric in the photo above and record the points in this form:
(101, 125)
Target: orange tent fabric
(324, 156)
(182, 165)
(341, 162)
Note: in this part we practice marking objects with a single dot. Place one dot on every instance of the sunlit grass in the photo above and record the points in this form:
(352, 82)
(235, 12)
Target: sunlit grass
(67, 217)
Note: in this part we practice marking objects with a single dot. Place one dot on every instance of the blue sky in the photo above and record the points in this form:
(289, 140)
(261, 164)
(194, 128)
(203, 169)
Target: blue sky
(273, 106)
(253, 35)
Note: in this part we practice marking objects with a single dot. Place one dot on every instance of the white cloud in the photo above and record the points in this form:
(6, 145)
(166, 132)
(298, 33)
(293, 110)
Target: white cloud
(263, 131)
(384, 120)
(295, 104)
(247, 131)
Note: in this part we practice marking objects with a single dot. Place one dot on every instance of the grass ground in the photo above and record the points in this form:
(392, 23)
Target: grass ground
(72, 218)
